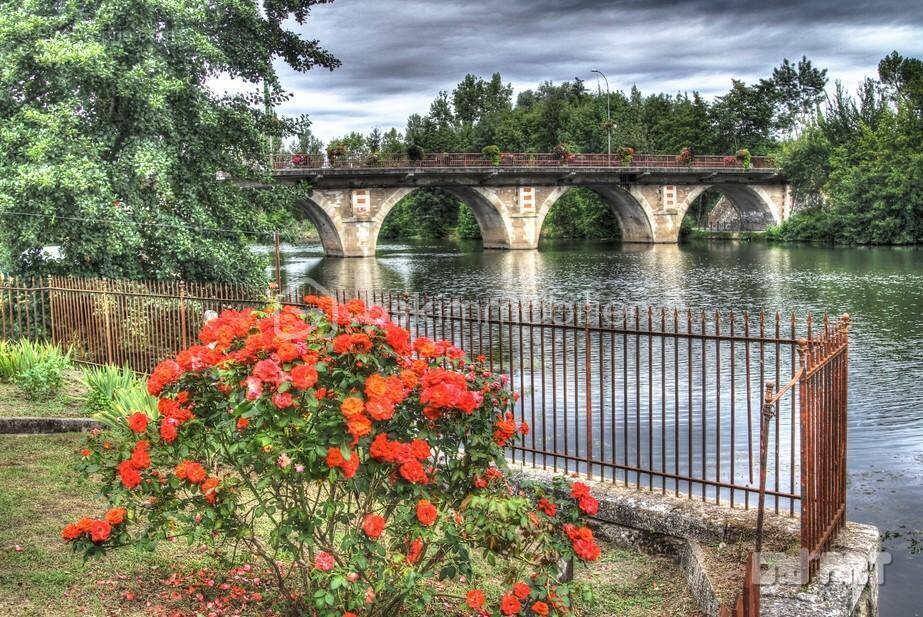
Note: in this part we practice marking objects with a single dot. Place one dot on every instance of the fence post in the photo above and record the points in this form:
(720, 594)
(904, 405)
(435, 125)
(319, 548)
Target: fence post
(768, 412)
(278, 261)
(108, 323)
(51, 326)
(183, 326)
(806, 450)
(587, 369)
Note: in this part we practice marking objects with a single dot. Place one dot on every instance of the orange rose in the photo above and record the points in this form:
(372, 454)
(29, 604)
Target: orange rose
(351, 406)
(426, 512)
(115, 516)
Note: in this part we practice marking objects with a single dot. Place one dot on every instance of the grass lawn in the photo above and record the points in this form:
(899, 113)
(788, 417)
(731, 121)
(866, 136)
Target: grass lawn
(39, 575)
(66, 404)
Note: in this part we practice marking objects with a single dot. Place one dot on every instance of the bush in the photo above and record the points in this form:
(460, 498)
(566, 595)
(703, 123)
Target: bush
(744, 157)
(415, 153)
(626, 155)
(359, 465)
(112, 393)
(36, 367)
(43, 379)
(563, 152)
(492, 153)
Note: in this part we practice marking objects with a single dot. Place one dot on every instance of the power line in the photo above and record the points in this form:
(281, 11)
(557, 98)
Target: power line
(137, 223)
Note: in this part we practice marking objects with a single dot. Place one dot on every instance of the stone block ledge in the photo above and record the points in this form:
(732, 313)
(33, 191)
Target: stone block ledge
(31, 426)
(846, 584)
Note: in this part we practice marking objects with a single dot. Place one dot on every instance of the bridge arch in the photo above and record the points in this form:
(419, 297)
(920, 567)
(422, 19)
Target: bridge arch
(756, 207)
(488, 208)
(326, 223)
(489, 212)
(632, 211)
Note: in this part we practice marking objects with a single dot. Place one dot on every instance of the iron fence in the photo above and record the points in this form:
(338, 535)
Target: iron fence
(659, 399)
(23, 308)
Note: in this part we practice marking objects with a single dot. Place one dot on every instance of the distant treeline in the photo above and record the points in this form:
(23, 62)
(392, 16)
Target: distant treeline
(854, 160)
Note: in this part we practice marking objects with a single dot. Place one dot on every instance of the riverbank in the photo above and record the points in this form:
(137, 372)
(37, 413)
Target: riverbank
(774, 235)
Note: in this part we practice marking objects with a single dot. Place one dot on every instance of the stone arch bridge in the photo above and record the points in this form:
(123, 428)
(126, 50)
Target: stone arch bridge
(648, 196)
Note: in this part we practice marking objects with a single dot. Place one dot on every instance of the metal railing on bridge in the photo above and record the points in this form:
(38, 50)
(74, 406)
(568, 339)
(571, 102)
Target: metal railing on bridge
(519, 160)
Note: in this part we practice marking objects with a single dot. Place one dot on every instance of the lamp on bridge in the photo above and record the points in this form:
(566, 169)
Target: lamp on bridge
(608, 112)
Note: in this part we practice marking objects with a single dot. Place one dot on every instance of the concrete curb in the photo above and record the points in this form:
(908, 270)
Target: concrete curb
(692, 561)
(32, 426)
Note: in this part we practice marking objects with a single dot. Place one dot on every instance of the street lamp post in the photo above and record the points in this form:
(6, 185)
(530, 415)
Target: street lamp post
(608, 112)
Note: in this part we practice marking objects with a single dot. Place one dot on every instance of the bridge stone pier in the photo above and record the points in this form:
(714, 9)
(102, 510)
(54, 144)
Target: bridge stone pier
(349, 205)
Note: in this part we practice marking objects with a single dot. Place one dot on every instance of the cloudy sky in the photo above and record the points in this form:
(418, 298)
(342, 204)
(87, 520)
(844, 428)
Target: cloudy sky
(397, 54)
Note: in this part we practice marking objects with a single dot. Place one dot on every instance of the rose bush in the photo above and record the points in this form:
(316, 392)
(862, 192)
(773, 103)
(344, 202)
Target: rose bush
(360, 465)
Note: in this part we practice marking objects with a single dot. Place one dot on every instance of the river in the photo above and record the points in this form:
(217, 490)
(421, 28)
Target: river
(881, 288)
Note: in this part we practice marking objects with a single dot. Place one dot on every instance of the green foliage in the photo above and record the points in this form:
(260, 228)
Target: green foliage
(744, 156)
(626, 154)
(37, 368)
(857, 170)
(467, 227)
(112, 145)
(7, 361)
(492, 153)
(425, 213)
(44, 379)
(113, 392)
(20, 356)
(415, 152)
(580, 213)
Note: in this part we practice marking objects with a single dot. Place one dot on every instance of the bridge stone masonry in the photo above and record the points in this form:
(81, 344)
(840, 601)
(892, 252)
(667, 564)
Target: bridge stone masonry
(649, 197)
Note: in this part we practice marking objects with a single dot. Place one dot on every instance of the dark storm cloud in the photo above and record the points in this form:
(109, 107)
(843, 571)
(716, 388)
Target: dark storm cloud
(397, 54)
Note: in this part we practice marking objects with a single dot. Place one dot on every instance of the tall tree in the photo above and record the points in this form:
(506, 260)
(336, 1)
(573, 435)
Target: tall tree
(114, 143)
(798, 91)
(307, 143)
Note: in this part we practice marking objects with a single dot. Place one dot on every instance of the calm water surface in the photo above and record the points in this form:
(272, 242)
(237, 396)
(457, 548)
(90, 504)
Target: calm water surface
(881, 288)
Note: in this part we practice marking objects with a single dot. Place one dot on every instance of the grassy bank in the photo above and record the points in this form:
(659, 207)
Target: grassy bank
(66, 403)
(744, 236)
(39, 576)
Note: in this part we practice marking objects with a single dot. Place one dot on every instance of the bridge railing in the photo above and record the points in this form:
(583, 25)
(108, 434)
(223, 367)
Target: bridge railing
(515, 160)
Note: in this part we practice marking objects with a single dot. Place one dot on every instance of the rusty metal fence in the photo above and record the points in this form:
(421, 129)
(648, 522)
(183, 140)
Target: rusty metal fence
(662, 400)
(23, 309)
(136, 323)
(822, 393)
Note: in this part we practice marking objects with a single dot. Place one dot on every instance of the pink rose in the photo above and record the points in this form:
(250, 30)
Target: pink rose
(324, 561)
(282, 400)
(254, 388)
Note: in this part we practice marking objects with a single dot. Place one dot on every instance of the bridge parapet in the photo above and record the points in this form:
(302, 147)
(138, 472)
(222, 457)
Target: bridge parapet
(520, 160)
